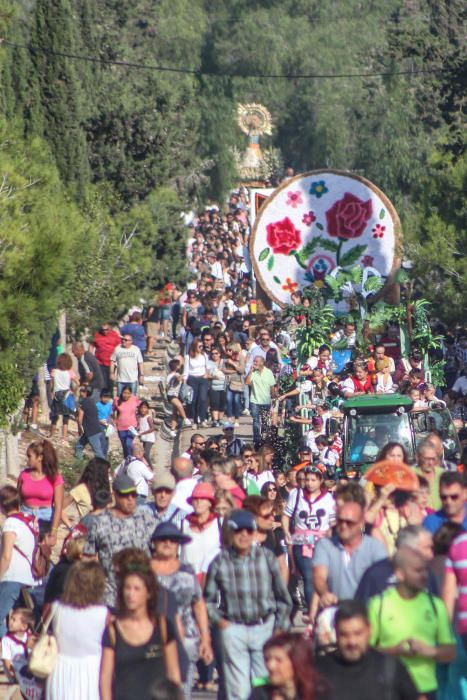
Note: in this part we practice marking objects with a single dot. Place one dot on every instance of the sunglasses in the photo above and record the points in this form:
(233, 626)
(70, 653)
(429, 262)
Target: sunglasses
(163, 490)
(345, 521)
(131, 494)
(272, 489)
(453, 497)
(249, 530)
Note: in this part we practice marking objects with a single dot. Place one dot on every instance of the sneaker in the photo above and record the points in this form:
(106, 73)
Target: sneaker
(204, 424)
(245, 412)
(236, 424)
(33, 426)
(187, 422)
(215, 424)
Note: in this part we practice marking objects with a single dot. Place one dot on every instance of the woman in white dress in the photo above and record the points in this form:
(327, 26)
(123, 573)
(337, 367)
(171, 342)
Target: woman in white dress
(79, 620)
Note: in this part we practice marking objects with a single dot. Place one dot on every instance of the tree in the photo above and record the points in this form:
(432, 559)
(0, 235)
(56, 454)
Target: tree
(38, 244)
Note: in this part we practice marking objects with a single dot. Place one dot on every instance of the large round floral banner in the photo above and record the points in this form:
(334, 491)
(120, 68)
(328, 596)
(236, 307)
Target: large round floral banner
(319, 221)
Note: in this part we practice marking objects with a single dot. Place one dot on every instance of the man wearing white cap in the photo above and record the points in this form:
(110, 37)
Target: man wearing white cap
(234, 444)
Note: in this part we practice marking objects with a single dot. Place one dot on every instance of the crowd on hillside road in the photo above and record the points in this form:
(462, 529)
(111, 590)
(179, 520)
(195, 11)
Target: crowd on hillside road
(263, 564)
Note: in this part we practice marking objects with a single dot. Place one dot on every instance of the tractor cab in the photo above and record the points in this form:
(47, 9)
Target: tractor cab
(371, 421)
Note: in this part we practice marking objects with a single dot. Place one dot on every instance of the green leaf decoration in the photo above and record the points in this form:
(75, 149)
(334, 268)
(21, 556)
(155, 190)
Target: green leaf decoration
(352, 255)
(373, 284)
(382, 213)
(329, 245)
(276, 279)
(356, 275)
(264, 254)
(308, 249)
(320, 227)
(301, 260)
(271, 263)
(293, 252)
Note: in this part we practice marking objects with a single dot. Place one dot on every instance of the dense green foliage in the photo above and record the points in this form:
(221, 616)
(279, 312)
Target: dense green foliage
(103, 159)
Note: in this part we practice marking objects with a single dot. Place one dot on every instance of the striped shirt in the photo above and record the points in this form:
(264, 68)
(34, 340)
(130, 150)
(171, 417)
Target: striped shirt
(456, 563)
(250, 588)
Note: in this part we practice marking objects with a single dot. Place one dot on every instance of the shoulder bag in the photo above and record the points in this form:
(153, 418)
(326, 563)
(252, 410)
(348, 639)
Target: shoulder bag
(44, 654)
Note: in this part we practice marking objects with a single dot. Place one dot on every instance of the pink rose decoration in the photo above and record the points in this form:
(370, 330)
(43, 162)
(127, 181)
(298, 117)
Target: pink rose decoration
(283, 237)
(294, 199)
(309, 218)
(348, 217)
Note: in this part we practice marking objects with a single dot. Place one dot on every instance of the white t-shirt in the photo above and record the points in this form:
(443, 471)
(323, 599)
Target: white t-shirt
(316, 515)
(183, 490)
(143, 425)
(139, 472)
(204, 546)
(127, 361)
(195, 366)
(14, 649)
(20, 566)
(62, 379)
(261, 479)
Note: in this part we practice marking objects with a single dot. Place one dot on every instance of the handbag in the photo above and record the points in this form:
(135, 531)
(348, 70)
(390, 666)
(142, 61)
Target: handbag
(44, 654)
(186, 394)
(69, 402)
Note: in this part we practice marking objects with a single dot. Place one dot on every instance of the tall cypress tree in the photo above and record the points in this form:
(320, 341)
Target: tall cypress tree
(58, 105)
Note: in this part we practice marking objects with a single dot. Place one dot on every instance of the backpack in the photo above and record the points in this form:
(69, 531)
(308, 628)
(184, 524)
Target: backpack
(41, 554)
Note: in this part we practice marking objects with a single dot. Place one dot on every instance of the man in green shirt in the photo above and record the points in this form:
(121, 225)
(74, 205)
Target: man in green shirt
(261, 380)
(412, 624)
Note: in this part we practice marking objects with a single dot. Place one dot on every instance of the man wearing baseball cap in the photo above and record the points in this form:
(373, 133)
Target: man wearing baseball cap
(254, 602)
(163, 490)
(234, 444)
(119, 527)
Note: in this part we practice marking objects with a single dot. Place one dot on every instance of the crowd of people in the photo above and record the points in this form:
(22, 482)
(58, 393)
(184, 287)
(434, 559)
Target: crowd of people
(251, 568)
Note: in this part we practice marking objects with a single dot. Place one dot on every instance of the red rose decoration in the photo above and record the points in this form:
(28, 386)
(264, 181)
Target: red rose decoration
(283, 237)
(348, 217)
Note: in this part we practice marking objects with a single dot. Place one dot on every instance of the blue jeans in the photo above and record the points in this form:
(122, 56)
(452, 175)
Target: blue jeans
(131, 385)
(43, 513)
(304, 566)
(9, 594)
(198, 410)
(246, 396)
(98, 443)
(233, 404)
(126, 438)
(257, 410)
(242, 656)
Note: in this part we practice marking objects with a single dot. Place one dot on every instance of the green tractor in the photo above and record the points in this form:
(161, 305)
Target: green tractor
(371, 421)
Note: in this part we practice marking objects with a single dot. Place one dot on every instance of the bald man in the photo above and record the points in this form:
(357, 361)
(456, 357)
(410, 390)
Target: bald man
(90, 372)
(409, 623)
(182, 469)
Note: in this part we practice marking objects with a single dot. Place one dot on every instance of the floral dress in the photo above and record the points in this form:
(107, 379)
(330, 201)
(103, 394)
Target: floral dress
(185, 587)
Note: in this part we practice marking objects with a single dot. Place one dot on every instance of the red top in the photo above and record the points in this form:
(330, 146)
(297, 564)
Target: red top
(105, 344)
(365, 386)
(37, 493)
(238, 495)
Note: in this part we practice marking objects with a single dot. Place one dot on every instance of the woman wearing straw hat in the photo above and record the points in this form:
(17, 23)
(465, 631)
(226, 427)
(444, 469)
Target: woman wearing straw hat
(181, 580)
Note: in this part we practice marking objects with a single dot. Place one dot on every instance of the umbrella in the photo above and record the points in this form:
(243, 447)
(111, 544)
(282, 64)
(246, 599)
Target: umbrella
(396, 473)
